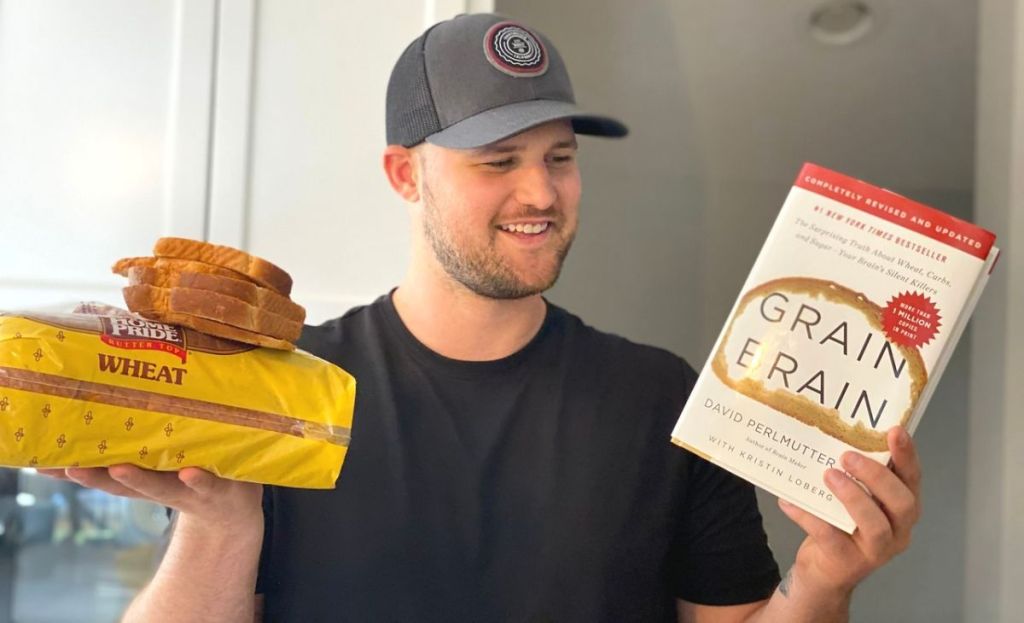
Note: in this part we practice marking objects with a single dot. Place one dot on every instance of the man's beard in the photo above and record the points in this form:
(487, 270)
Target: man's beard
(482, 271)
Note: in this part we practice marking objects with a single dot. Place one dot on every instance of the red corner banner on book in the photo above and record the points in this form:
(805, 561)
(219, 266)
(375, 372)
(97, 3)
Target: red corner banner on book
(842, 331)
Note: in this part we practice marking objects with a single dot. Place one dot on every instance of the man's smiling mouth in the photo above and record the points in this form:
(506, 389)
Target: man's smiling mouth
(526, 228)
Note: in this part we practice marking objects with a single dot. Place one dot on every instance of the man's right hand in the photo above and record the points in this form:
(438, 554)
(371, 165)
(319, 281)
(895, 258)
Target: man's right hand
(209, 570)
(215, 503)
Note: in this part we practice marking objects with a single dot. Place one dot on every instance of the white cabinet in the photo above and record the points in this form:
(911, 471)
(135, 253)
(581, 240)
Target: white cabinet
(317, 199)
(258, 124)
(91, 126)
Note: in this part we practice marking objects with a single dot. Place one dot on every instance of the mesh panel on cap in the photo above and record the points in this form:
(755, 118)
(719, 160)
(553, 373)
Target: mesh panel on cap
(411, 116)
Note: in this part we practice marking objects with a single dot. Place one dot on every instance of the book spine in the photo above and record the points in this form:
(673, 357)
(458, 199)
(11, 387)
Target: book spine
(953, 338)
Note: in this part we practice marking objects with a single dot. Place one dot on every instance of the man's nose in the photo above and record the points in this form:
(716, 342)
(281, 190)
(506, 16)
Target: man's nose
(536, 187)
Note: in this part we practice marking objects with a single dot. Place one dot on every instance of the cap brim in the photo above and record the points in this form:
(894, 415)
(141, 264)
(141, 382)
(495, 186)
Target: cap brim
(500, 123)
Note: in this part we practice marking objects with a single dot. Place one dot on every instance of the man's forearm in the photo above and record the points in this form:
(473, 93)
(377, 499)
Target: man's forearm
(206, 575)
(797, 600)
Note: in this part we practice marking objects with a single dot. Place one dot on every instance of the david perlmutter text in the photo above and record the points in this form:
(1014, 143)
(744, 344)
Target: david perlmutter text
(774, 435)
(780, 439)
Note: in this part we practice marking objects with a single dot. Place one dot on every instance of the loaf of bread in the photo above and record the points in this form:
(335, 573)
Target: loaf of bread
(85, 390)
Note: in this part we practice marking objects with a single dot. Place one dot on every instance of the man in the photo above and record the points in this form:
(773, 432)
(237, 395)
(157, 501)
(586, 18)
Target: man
(508, 462)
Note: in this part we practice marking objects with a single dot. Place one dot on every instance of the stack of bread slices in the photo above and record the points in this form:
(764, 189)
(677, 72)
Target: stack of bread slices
(214, 289)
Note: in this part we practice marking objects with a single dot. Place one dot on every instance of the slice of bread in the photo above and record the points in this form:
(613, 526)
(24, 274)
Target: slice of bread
(122, 266)
(212, 306)
(257, 269)
(217, 329)
(257, 296)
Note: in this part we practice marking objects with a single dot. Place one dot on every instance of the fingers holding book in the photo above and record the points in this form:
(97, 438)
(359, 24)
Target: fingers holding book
(884, 501)
(889, 496)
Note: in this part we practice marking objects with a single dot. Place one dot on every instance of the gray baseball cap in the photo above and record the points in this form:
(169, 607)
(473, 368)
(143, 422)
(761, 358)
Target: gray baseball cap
(477, 79)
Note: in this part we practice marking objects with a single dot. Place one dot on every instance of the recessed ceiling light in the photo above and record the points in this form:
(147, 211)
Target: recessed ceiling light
(841, 22)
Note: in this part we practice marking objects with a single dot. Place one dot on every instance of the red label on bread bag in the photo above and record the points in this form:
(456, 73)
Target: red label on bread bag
(139, 334)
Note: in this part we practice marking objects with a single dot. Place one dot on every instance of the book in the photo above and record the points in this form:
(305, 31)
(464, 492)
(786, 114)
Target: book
(842, 330)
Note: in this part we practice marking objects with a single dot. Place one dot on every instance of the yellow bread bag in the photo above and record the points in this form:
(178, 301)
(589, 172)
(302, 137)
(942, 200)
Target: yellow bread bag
(94, 390)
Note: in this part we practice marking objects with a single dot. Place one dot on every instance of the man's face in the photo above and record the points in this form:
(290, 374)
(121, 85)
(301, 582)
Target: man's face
(500, 219)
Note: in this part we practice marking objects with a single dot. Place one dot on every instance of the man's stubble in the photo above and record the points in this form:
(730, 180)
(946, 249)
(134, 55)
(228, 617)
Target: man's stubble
(483, 271)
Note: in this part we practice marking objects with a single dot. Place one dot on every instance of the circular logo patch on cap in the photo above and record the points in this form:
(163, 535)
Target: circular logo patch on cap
(515, 51)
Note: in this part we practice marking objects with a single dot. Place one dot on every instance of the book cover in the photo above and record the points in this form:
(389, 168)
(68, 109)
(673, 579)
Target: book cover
(843, 327)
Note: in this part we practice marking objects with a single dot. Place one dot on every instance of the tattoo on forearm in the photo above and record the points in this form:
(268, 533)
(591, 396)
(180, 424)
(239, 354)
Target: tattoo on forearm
(786, 581)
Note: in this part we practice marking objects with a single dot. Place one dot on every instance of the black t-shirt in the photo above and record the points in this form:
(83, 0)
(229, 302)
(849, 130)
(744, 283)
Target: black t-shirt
(538, 487)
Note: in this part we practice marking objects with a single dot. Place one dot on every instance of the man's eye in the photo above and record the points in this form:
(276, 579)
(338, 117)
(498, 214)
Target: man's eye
(562, 159)
(500, 164)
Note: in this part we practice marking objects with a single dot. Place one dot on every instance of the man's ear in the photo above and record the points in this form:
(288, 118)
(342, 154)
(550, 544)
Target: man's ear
(403, 171)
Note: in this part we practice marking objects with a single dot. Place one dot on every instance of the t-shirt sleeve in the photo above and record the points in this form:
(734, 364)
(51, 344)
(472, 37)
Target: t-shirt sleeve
(720, 555)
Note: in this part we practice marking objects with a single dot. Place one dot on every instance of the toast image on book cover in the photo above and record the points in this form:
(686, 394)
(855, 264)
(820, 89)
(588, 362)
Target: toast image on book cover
(842, 330)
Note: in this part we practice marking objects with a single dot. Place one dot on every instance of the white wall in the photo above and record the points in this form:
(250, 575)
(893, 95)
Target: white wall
(995, 543)
(318, 201)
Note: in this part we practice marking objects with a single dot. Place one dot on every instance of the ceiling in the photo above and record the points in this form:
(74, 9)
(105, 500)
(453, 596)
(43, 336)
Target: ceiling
(896, 105)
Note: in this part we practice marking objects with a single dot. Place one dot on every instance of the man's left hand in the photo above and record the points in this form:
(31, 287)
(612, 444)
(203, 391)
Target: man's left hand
(885, 514)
